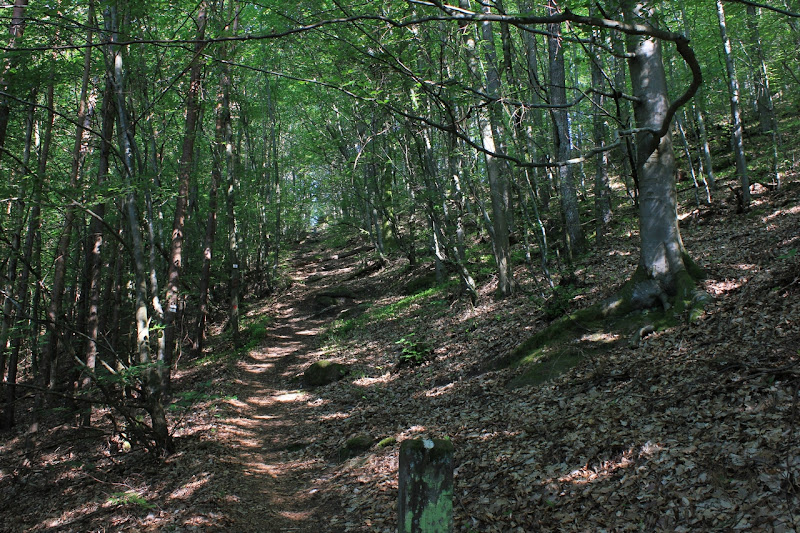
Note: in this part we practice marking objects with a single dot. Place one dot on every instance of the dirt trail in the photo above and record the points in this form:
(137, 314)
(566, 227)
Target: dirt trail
(271, 488)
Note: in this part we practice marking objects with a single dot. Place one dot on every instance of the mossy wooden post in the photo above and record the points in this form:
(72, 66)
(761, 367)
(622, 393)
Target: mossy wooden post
(426, 486)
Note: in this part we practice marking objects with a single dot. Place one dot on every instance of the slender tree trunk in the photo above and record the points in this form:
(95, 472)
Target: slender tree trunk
(94, 256)
(23, 291)
(736, 115)
(152, 377)
(274, 175)
(766, 109)
(15, 214)
(184, 175)
(230, 204)
(54, 310)
(542, 188)
(489, 127)
(708, 164)
(700, 118)
(626, 154)
(211, 222)
(15, 29)
(602, 190)
(689, 159)
(573, 233)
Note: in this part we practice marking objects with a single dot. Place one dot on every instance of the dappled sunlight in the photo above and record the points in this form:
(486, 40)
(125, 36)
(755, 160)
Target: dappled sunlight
(257, 368)
(383, 379)
(265, 418)
(339, 415)
(440, 391)
(236, 403)
(600, 337)
(289, 397)
(655, 435)
(188, 489)
(67, 517)
(298, 516)
(604, 468)
(718, 288)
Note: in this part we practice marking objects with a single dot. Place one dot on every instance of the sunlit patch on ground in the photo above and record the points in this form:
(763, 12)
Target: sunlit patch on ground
(290, 396)
(187, 490)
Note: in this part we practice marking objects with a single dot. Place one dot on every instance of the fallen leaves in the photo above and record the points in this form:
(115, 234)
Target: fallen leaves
(696, 428)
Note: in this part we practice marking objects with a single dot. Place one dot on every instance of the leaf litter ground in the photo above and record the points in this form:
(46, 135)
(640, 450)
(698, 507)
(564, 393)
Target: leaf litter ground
(693, 428)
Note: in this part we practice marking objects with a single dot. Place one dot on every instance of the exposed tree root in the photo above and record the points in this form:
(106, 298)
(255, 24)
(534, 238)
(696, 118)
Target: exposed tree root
(679, 298)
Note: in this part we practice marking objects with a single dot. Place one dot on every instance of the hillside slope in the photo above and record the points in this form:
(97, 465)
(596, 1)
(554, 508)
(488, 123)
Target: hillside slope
(688, 427)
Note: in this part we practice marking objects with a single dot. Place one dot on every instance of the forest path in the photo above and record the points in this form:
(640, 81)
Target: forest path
(271, 487)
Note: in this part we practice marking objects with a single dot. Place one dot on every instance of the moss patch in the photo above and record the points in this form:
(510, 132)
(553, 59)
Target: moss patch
(355, 446)
(419, 283)
(586, 333)
(324, 372)
(547, 367)
(388, 441)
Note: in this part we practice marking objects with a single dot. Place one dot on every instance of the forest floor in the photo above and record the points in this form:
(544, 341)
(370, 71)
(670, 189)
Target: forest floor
(694, 427)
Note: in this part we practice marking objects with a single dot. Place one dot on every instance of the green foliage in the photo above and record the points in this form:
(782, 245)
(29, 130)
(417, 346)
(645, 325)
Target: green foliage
(386, 312)
(200, 393)
(388, 441)
(129, 498)
(412, 352)
(255, 332)
(130, 376)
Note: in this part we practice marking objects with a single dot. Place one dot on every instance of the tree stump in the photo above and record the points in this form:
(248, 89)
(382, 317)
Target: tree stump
(426, 486)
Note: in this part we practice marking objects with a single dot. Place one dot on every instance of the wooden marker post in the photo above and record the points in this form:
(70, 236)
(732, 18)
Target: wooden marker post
(426, 486)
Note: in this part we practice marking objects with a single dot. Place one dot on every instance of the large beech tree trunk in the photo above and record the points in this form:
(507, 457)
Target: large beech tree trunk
(663, 256)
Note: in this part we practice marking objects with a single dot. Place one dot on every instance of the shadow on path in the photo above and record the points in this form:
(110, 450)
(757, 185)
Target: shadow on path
(268, 485)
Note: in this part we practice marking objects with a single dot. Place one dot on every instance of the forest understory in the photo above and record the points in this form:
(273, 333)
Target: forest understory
(676, 427)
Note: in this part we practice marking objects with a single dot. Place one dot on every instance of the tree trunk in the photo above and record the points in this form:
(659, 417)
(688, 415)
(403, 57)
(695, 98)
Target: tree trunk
(535, 128)
(152, 381)
(736, 115)
(232, 187)
(184, 174)
(94, 256)
(573, 234)
(211, 224)
(54, 310)
(489, 127)
(15, 29)
(663, 257)
(700, 114)
(22, 290)
(23, 293)
(766, 110)
(16, 215)
(602, 190)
